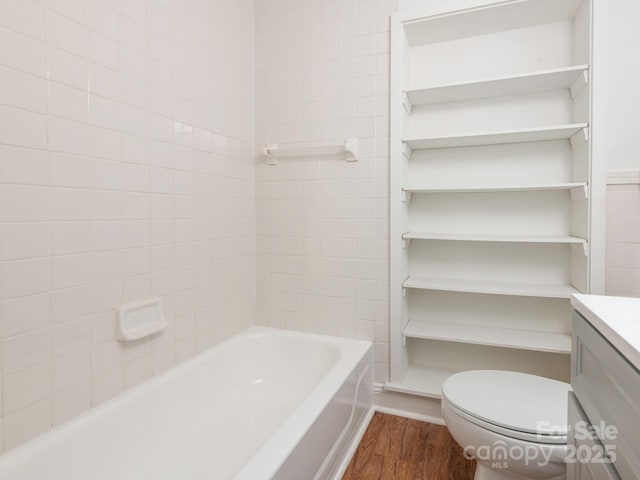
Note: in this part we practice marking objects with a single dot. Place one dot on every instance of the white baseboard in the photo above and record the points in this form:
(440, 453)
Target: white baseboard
(623, 177)
(404, 405)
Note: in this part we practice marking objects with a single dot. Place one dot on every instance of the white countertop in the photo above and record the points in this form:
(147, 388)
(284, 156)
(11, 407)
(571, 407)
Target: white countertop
(616, 318)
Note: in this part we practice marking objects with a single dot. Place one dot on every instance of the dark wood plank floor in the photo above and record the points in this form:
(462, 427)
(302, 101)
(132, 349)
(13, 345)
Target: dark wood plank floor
(398, 448)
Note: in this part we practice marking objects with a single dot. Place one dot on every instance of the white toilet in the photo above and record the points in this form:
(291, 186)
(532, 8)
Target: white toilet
(513, 424)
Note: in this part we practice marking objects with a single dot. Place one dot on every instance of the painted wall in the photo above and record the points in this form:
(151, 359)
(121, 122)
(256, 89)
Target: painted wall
(623, 151)
(126, 169)
(322, 74)
(623, 96)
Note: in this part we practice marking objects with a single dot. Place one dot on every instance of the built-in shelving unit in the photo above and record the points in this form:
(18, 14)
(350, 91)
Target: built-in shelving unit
(491, 188)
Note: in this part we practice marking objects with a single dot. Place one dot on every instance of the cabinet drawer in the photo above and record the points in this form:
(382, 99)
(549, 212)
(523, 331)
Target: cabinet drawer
(608, 388)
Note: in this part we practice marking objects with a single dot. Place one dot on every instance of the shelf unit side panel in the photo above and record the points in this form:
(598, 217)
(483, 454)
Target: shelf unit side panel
(403, 60)
(397, 209)
(581, 111)
(599, 24)
(580, 217)
(580, 269)
(582, 33)
(580, 160)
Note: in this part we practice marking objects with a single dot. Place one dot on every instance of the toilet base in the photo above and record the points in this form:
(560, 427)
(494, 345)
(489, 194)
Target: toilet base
(483, 472)
(486, 473)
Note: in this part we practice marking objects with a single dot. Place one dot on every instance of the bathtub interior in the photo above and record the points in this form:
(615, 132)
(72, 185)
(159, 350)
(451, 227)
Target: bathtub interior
(204, 419)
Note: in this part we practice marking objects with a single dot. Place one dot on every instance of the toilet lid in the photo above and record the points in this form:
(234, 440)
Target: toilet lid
(511, 400)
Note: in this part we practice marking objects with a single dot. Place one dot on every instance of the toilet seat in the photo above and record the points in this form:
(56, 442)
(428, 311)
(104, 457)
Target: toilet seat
(518, 405)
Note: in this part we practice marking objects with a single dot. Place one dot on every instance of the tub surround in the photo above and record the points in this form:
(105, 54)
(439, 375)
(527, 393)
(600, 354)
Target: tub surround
(617, 319)
(126, 172)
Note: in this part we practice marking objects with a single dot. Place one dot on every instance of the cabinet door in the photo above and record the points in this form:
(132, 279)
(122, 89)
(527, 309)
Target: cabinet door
(585, 461)
(592, 471)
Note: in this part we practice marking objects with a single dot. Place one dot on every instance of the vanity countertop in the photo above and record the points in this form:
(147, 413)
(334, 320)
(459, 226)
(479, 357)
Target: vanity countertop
(616, 318)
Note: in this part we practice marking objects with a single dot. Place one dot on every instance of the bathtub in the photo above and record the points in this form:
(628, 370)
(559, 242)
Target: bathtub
(266, 404)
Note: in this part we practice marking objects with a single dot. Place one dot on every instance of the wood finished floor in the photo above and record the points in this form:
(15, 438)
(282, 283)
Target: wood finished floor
(397, 448)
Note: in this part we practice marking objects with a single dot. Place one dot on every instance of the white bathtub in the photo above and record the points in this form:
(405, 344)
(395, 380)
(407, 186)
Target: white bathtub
(266, 404)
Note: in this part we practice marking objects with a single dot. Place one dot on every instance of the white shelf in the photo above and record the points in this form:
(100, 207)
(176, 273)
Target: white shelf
(492, 238)
(425, 382)
(540, 134)
(497, 188)
(491, 336)
(490, 287)
(531, 82)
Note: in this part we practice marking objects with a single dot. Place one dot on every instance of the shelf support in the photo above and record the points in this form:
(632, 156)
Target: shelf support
(404, 292)
(579, 138)
(579, 84)
(585, 248)
(406, 243)
(407, 151)
(406, 196)
(584, 245)
(580, 193)
(406, 103)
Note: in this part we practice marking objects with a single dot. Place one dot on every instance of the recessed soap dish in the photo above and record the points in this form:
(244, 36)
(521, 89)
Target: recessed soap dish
(140, 319)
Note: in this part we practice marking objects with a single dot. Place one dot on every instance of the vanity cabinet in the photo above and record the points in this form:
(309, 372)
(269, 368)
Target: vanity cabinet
(586, 447)
(492, 188)
(605, 402)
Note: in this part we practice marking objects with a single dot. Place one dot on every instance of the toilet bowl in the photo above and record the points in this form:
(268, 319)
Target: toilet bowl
(513, 424)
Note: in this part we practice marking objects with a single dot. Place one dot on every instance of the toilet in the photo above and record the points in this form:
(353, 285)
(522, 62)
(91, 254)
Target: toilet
(514, 424)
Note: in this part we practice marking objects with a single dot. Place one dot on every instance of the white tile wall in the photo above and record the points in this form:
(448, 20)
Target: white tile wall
(623, 240)
(322, 74)
(126, 171)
